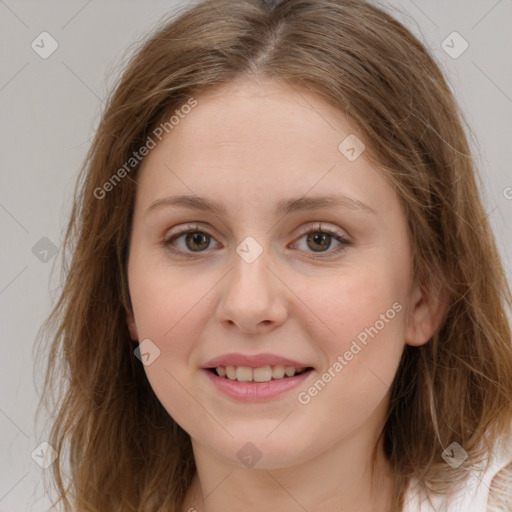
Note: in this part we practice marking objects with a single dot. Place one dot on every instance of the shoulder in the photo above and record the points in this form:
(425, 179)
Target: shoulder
(500, 491)
(485, 490)
(499, 479)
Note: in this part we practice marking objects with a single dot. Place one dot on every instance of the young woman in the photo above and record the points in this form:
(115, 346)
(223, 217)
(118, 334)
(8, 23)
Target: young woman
(283, 291)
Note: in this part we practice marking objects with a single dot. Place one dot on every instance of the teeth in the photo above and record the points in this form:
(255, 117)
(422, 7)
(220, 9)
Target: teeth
(290, 371)
(261, 374)
(278, 371)
(243, 374)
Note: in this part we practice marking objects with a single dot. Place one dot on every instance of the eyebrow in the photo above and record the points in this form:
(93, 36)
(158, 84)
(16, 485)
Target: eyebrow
(283, 207)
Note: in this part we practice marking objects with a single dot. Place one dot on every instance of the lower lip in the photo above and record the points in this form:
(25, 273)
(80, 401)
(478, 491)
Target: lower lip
(256, 391)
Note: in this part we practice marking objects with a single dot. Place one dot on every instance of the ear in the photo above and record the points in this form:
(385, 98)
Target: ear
(132, 327)
(425, 313)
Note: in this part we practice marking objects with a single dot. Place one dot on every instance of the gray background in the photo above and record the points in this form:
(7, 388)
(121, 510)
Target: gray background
(50, 108)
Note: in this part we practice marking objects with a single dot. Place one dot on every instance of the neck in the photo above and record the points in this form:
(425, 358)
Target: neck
(341, 479)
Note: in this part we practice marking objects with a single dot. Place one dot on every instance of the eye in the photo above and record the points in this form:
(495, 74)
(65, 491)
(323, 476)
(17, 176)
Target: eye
(320, 239)
(196, 240)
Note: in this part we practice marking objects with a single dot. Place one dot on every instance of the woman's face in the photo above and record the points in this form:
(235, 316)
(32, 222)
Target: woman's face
(257, 286)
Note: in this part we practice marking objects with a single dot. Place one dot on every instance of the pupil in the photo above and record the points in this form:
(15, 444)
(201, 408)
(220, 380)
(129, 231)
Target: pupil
(318, 238)
(197, 238)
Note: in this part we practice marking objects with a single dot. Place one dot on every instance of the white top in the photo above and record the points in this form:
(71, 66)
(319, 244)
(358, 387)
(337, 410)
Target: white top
(474, 495)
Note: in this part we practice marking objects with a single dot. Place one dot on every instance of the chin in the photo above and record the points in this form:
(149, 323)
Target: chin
(260, 451)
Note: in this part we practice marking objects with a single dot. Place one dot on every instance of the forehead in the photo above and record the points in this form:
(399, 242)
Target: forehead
(266, 118)
(251, 140)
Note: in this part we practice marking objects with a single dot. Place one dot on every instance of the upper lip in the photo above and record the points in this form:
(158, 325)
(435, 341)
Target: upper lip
(254, 361)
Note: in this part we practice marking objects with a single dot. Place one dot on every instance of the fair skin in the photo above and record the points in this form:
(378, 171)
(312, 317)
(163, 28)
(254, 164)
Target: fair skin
(248, 146)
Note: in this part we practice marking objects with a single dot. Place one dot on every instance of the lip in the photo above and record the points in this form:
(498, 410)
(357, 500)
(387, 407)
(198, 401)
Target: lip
(254, 361)
(255, 391)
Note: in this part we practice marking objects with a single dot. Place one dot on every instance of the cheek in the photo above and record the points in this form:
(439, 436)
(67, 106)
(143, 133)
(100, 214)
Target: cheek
(163, 295)
(167, 310)
(357, 305)
(171, 308)
(359, 328)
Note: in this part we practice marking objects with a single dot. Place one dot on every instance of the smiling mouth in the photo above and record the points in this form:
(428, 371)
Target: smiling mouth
(261, 374)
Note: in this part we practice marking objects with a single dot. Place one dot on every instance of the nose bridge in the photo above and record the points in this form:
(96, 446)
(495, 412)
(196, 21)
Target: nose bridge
(251, 267)
(251, 294)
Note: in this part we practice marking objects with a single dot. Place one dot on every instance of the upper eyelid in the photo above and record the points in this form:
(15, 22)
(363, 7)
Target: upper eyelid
(316, 225)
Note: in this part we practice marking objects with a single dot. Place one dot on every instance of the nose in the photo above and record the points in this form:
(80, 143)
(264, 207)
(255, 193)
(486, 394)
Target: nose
(254, 297)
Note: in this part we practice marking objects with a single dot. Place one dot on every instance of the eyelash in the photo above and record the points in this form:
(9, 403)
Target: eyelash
(194, 228)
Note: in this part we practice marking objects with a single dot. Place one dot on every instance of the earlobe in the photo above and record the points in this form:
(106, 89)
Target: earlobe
(130, 321)
(425, 315)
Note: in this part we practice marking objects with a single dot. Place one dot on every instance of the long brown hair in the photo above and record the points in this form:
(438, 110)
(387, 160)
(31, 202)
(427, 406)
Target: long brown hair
(455, 388)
